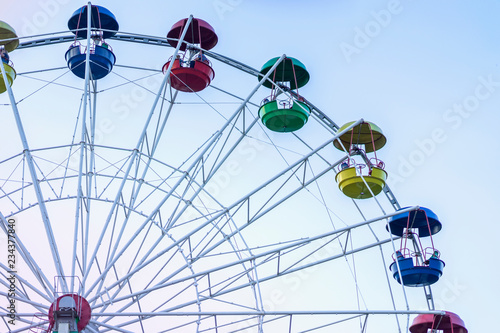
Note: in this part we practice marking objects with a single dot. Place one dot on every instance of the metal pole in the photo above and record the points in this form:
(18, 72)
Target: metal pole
(82, 140)
(268, 313)
(34, 176)
(85, 238)
(30, 261)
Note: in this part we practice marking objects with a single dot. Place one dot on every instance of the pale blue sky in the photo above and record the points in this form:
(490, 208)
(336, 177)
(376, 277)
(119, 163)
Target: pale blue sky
(426, 72)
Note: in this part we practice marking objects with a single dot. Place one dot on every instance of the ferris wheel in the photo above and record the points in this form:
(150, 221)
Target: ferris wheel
(195, 195)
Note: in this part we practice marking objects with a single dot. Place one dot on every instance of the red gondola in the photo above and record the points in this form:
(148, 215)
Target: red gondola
(447, 323)
(71, 311)
(191, 71)
(190, 75)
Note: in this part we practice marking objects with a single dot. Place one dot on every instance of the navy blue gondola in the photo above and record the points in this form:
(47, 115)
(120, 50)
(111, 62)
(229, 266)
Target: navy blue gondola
(417, 276)
(101, 19)
(102, 60)
(418, 220)
(418, 267)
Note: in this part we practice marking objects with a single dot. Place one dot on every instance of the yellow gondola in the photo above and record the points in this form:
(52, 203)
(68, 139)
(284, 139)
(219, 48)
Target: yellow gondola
(8, 37)
(351, 182)
(8, 42)
(366, 177)
(11, 76)
(366, 133)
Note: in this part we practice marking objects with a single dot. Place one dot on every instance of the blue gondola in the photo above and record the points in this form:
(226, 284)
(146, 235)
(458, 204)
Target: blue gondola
(101, 19)
(417, 275)
(417, 220)
(417, 266)
(102, 60)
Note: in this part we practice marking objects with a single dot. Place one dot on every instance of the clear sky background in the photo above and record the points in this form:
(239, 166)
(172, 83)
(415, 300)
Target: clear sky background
(426, 72)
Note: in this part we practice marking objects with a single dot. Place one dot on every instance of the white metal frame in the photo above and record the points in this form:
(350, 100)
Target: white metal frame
(180, 188)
